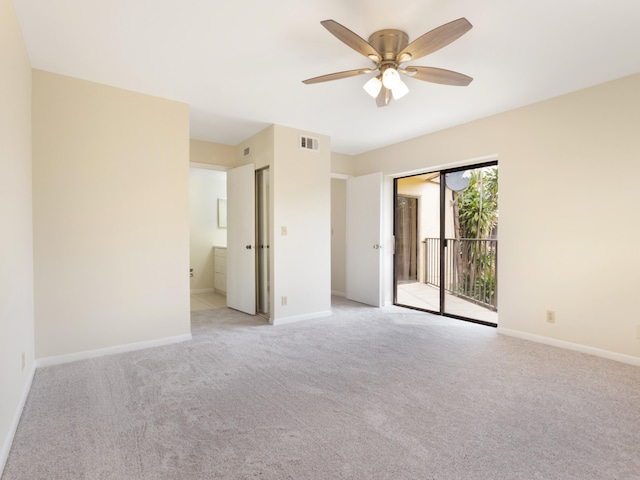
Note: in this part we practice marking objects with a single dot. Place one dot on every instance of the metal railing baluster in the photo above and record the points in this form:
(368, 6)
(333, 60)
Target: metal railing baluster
(479, 262)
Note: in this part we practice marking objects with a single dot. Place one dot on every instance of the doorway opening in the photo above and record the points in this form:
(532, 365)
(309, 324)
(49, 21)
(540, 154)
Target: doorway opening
(207, 236)
(263, 283)
(455, 239)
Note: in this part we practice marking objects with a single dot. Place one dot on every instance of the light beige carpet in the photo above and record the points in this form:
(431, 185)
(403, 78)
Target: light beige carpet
(365, 394)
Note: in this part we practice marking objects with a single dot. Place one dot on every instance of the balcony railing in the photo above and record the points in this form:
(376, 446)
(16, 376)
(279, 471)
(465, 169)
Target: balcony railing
(470, 267)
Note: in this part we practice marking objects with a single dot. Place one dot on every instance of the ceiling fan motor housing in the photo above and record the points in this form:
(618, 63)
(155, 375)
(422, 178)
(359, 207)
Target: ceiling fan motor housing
(389, 42)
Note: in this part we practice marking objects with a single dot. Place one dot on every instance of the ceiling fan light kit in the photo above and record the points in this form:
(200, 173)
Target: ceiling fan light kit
(373, 86)
(400, 90)
(389, 48)
(390, 78)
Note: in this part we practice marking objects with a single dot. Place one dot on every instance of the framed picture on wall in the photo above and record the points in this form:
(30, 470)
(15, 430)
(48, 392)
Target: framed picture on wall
(222, 213)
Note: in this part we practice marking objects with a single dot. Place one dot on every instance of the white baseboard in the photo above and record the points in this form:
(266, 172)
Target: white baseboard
(8, 441)
(618, 357)
(129, 347)
(298, 318)
(202, 290)
(338, 294)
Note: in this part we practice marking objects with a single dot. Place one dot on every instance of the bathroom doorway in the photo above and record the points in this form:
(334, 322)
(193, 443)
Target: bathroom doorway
(207, 237)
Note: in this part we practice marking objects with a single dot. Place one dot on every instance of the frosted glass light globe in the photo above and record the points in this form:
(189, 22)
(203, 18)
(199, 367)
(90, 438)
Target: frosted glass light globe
(400, 90)
(390, 78)
(373, 87)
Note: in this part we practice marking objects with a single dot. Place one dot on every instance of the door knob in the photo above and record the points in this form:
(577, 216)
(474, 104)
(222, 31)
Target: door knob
(377, 247)
(248, 247)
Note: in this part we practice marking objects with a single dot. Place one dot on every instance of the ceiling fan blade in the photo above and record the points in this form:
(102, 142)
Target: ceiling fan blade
(435, 39)
(352, 40)
(384, 97)
(438, 75)
(337, 76)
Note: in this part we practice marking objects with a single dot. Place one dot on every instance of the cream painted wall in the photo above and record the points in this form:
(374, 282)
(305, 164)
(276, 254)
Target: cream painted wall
(205, 188)
(300, 200)
(568, 172)
(342, 164)
(212, 153)
(111, 216)
(261, 149)
(338, 236)
(16, 233)
(302, 203)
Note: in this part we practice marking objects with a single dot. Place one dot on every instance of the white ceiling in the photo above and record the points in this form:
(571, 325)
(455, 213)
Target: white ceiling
(239, 64)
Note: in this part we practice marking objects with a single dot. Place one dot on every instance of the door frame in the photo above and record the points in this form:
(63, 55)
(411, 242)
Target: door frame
(263, 242)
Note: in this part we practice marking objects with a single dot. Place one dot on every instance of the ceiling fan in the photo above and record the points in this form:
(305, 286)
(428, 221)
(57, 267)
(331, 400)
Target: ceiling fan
(388, 49)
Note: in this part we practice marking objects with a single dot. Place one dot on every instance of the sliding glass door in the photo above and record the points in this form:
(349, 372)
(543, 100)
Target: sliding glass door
(455, 232)
(470, 255)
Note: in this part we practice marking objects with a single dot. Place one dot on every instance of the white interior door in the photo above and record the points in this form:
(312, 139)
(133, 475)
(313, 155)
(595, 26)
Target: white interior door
(364, 233)
(241, 236)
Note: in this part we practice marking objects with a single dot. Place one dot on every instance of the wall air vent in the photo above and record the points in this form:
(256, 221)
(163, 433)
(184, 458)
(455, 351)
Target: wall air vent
(247, 151)
(309, 143)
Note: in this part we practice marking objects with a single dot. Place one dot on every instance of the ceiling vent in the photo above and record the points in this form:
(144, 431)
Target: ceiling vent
(309, 143)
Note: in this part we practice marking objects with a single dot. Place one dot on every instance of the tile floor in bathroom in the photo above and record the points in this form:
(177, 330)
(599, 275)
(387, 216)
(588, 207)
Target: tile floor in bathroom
(207, 301)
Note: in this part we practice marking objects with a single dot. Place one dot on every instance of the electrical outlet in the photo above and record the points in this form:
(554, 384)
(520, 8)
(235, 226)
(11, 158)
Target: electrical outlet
(551, 316)
(24, 360)
(284, 300)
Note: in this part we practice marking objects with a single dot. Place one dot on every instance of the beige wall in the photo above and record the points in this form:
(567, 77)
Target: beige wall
(301, 185)
(568, 177)
(300, 197)
(111, 216)
(205, 188)
(16, 254)
(261, 149)
(342, 164)
(212, 153)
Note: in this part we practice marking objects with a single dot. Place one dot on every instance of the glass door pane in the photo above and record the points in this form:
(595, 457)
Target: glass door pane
(471, 243)
(407, 239)
(417, 246)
